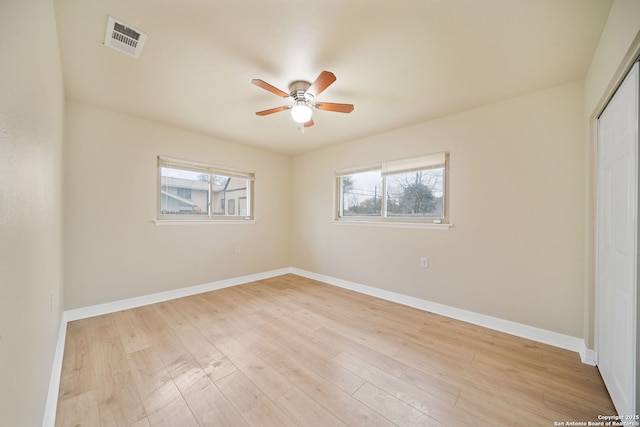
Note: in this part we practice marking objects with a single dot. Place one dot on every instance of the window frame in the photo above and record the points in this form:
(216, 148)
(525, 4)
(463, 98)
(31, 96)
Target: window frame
(210, 170)
(391, 168)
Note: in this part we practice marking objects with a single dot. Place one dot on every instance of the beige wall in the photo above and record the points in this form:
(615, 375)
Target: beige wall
(114, 251)
(31, 118)
(618, 47)
(517, 202)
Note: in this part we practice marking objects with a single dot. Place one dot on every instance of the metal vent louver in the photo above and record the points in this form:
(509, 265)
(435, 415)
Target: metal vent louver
(124, 38)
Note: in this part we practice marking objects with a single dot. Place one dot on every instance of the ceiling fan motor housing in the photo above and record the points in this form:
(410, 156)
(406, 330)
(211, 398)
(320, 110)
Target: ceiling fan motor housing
(298, 90)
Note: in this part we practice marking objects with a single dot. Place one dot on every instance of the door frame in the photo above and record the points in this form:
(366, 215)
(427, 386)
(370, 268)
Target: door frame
(591, 232)
(600, 290)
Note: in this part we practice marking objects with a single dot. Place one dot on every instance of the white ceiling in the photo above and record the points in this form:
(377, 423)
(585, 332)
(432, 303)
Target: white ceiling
(399, 62)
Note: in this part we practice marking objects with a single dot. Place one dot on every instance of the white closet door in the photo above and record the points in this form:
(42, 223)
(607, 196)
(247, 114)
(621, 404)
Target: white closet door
(617, 244)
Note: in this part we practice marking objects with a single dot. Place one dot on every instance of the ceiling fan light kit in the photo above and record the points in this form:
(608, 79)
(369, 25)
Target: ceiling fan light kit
(301, 112)
(301, 99)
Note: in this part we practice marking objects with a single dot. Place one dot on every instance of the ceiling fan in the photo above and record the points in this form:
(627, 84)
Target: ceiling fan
(301, 99)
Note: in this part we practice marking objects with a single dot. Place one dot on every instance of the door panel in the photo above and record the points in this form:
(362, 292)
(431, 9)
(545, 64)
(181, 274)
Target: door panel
(617, 244)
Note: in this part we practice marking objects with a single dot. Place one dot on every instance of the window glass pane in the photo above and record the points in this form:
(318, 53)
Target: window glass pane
(230, 195)
(183, 192)
(361, 194)
(416, 194)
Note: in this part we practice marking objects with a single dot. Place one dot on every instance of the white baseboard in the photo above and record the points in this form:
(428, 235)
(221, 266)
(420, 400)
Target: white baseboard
(524, 331)
(49, 419)
(588, 356)
(125, 304)
(567, 342)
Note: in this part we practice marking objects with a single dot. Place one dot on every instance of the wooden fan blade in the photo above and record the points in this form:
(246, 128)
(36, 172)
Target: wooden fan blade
(323, 81)
(309, 123)
(331, 106)
(272, 110)
(266, 86)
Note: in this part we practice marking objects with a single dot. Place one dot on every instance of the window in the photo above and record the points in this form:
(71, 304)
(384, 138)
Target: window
(188, 190)
(411, 190)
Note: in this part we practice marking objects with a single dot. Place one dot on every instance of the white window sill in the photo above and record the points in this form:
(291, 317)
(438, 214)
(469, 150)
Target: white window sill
(389, 224)
(202, 221)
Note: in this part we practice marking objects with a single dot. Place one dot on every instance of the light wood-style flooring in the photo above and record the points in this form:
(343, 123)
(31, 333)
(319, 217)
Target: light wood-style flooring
(290, 351)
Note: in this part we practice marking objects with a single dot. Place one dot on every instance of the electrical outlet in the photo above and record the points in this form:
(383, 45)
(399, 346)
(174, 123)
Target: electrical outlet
(237, 249)
(424, 262)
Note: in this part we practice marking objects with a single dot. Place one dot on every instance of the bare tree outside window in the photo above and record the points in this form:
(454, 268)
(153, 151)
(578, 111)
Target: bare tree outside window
(416, 194)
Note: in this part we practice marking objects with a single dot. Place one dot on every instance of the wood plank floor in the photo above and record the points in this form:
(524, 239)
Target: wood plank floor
(289, 351)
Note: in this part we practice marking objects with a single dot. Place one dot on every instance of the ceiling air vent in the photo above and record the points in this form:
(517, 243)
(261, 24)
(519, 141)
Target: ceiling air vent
(124, 38)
